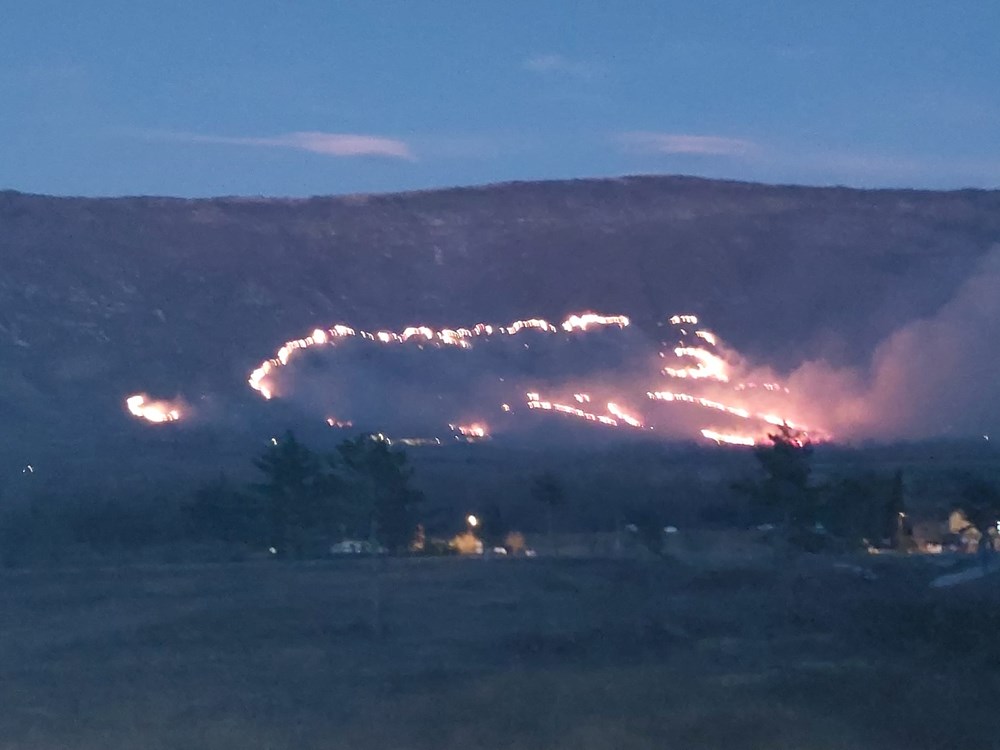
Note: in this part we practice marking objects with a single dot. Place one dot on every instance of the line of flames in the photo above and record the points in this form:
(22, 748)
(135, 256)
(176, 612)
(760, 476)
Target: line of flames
(444, 337)
(707, 366)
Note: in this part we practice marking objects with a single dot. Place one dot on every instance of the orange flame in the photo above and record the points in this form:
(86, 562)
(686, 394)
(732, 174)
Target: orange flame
(723, 438)
(445, 337)
(474, 430)
(153, 411)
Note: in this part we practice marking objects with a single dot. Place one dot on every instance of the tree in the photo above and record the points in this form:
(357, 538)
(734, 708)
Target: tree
(787, 465)
(300, 494)
(865, 509)
(547, 491)
(380, 496)
(379, 491)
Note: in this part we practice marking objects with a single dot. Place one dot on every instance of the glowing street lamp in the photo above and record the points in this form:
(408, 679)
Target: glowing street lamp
(472, 521)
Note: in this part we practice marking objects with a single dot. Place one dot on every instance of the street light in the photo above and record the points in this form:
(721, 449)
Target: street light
(472, 521)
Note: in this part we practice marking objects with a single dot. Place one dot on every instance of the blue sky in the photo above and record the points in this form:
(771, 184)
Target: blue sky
(319, 96)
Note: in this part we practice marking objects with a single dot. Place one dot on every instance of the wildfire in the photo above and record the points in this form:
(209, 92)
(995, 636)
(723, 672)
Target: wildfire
(723, 438)
(771, 419)
(591, 319)
(535, 402)
(334, 422)
(474, 430)
(703, 361)
(709, 365)
(628, 419)
(445, 337)
(153, 411)
(707, 403)
(614, 418)
(773, 387)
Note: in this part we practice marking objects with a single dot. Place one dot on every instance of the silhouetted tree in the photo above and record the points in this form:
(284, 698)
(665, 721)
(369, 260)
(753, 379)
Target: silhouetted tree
(896, 524)
(379, 491)
(787, 465)
(301, 495)
(865, 508)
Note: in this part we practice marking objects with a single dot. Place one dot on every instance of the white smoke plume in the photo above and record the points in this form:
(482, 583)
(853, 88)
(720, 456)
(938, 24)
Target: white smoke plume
(936, 376)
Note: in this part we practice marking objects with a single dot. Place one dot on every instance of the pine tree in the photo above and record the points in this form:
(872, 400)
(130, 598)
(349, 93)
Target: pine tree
(379, 489)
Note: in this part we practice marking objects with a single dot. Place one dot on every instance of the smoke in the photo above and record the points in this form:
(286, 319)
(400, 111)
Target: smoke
(412, 389)
(933, 377)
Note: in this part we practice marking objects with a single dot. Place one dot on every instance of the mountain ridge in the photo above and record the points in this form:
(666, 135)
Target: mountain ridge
(101, 297)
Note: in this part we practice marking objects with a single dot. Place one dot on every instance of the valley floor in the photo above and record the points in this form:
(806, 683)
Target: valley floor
(472, 653)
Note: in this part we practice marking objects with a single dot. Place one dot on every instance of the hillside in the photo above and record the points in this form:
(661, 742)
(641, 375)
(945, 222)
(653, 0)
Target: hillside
(102, 297)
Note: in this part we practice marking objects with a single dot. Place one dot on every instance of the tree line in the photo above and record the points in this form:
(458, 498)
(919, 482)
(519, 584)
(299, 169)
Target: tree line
(860, 509)
(304, 499)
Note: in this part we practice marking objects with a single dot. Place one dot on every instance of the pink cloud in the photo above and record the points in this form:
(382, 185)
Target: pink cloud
(680, 143)
(327, 144)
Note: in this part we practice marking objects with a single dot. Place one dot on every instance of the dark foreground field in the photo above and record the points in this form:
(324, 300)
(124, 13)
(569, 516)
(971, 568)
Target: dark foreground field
(499, 654)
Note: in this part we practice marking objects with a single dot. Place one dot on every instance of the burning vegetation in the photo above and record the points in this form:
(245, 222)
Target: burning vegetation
(156, 412)
(908, 389)
(744, 410)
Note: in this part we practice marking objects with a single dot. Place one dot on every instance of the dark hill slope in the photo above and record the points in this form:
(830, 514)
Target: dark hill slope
(99, 297)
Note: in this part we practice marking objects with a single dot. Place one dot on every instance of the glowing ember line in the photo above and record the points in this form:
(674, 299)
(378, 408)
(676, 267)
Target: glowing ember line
(445, 337)
(534, 402)
(628, 419)
(707, 403)
(721, 437)
(678, 319)
(709, 365)
(474, 430)
(773, 387)
(771, 419)
(617, 417)
(592, 319)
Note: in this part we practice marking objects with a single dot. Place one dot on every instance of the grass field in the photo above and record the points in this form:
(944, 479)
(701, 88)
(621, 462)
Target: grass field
(541, 653)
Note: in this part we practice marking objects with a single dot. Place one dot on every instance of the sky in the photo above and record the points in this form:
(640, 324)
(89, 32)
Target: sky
(324, 96)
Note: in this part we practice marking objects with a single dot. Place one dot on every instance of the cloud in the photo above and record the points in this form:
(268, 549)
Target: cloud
(681, 143)
(327, 144)
(552, 63)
